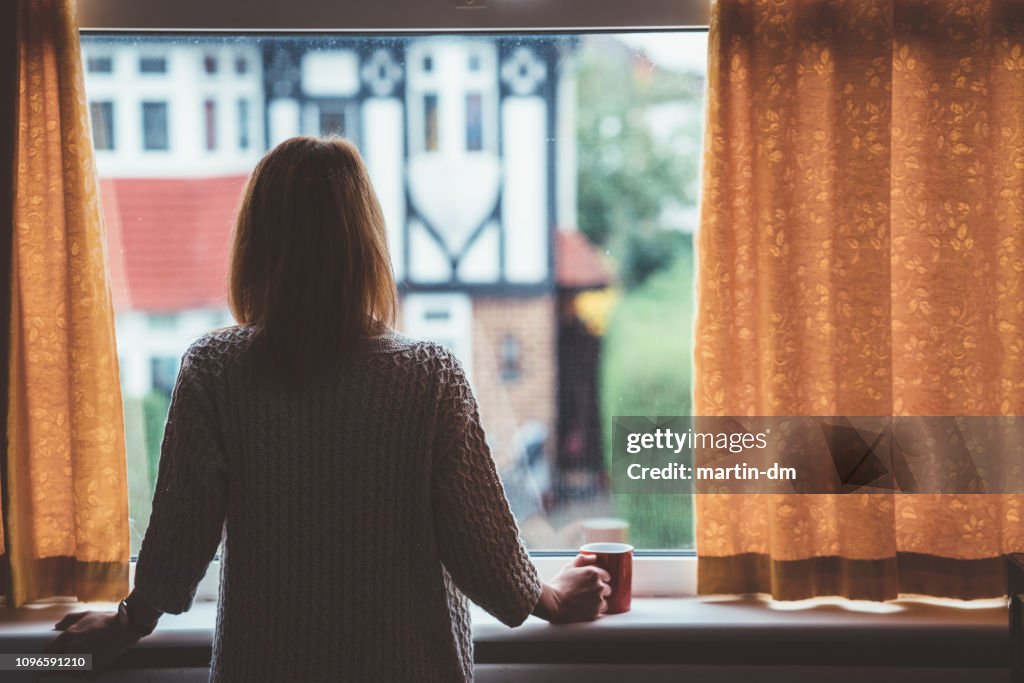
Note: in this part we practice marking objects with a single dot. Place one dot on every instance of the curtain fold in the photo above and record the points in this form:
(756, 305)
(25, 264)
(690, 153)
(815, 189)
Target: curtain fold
(861, 253)
(8, 119)
(66, 516)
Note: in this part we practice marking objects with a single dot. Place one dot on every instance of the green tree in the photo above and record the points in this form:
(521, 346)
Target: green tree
(639, 141)
(634, 166)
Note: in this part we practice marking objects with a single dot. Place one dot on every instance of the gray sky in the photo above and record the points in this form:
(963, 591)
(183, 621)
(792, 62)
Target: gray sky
(675, 51)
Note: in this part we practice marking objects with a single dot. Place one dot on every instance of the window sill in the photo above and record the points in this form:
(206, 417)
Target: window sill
(704, 632)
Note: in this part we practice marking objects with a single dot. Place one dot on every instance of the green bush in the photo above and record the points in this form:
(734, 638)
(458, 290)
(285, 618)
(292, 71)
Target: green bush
(644, 254)
(647, 370)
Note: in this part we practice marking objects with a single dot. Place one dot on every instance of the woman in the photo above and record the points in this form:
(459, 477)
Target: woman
(343, 463)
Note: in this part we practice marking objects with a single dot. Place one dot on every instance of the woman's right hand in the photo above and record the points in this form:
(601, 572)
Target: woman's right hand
(576, 593)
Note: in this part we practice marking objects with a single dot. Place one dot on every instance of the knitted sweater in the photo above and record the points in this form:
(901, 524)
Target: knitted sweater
(355, 516)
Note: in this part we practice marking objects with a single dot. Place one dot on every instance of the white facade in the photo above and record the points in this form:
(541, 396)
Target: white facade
(146, 340)
(188, 90)
(455, 133)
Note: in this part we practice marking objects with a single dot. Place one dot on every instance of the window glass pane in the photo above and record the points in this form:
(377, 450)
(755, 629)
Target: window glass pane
(154, 126)
(99, 64)
(430, 124)
(539, 192)
(165, 371)
(474, 122)
(332, 119)
(243, 124)
(102, 116)
(153, 65)
(210, 120)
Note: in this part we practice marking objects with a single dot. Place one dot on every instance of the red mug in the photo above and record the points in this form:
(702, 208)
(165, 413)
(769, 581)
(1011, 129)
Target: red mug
(617, 560)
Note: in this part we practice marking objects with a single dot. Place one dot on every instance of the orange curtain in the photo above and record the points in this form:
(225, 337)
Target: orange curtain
(67, 503)
(861, 253)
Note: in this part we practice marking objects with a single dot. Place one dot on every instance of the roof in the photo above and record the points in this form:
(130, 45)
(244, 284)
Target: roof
(169, 240)
(579, 264)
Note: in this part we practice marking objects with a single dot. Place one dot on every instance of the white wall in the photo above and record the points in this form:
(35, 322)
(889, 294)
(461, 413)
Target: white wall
(139, 341)
(185, 87)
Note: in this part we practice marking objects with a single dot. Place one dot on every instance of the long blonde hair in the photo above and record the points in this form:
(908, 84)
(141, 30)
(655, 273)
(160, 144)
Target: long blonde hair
(310, 267)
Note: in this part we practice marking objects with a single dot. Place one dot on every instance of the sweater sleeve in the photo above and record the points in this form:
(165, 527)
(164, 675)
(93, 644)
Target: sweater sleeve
(189, 504)
(477, 535)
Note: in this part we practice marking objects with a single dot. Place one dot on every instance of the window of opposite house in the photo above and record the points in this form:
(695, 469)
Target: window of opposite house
(163, 321)
(154, 126)
(474, 122)
(430, 123)
(243, 124)
(210, 64)
(153, 65)
(511, 358)
(241, 65)
(165, 371)
(99, 64)
(102, 116)
(210, 124)
(332, 120)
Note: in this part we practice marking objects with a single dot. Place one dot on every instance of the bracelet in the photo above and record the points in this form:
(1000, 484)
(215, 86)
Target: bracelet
(124, 618)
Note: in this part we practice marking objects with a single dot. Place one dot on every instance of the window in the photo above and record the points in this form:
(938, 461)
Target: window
(153, 65)
(243, 124)
(99, 64)
(210, 64)
(241, 65)
(474, 122)
(210, 124)
(510, 358)
(163, 321)
(154, 126)
(332, 120)
(539, 191)
(102, 116)
(165, 372)
(430, 123)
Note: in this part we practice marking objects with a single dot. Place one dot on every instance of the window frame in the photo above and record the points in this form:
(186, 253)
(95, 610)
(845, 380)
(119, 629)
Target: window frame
(107, 57)
(154, 105)
(152, 59)
(107, 121)
(657, 573)
(396, 16)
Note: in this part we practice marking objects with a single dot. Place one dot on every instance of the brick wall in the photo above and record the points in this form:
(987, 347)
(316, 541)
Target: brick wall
(508, 404)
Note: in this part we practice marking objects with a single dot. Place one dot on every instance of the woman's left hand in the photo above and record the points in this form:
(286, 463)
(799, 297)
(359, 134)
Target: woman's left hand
(97, 633)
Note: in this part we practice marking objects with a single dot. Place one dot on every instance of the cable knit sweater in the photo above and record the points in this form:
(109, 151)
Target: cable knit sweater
(355, 516)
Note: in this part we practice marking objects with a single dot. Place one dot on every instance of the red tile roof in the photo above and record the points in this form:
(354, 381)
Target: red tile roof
(578, 263)
(169, 239)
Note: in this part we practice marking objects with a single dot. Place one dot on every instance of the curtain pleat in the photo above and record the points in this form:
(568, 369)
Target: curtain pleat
(861, 253)
(8, 127)
(66, 493)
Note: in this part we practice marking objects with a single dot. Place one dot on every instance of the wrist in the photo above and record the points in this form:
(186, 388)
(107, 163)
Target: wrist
(549, 604)
(135, 616)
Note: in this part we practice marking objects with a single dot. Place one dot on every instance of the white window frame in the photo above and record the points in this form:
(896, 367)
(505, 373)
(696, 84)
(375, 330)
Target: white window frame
(655, 574)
